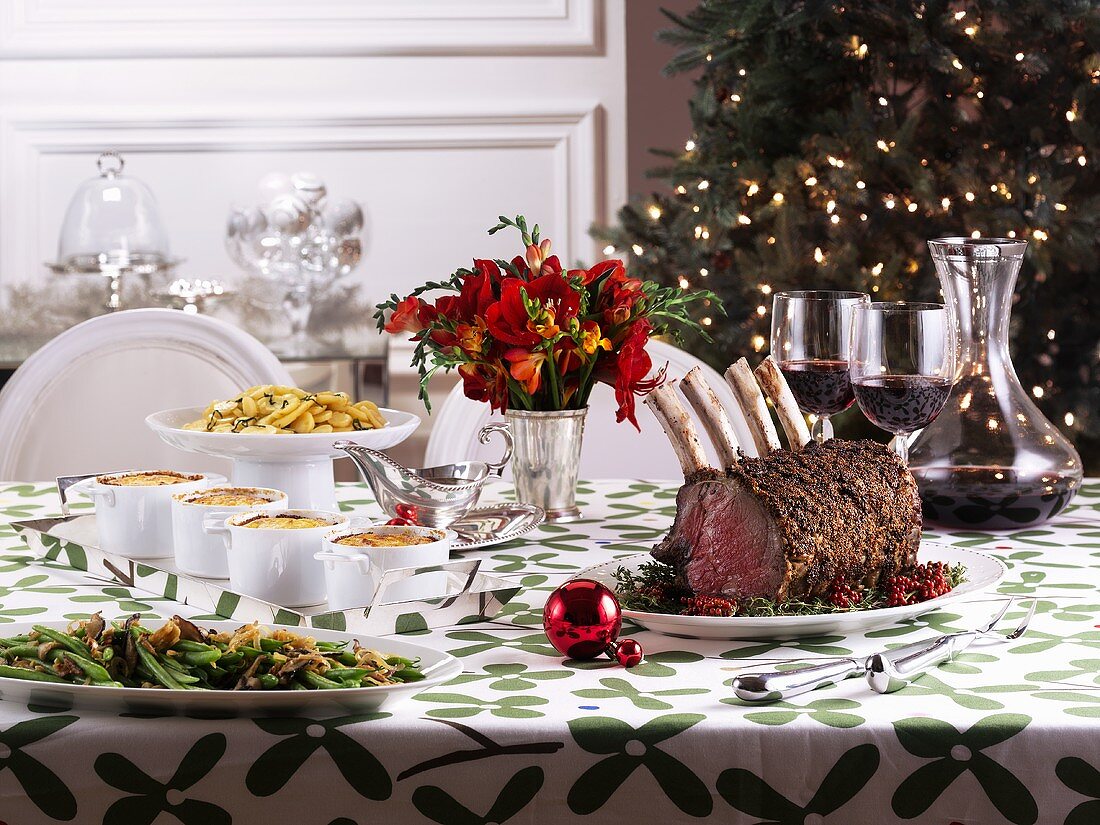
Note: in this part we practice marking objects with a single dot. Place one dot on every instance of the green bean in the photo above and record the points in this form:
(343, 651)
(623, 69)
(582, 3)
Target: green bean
(271, 645)
(31, 675)
(63, 639)
(320, 682)
(22, 652)
(111, 683)
(344, 673)
(154, 667)
(187, 646)
(229, 660)
(401, 660)
(11, 641)
(267, 681)
(298, 686)
(207, 657)
(407, 675)
(94, 671)
(179, 672)
(249, 652)
(107, 653)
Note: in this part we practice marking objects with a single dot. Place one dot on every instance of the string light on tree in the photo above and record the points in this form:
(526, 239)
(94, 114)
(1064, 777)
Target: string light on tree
(1006, 145)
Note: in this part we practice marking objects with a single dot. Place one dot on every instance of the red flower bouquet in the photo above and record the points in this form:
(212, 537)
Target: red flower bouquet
(529, 334)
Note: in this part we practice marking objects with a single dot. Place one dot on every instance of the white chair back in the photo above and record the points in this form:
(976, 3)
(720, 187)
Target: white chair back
(610, 450)
(78, 405)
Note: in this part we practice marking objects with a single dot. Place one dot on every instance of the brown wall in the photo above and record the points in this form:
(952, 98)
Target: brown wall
(656, 105)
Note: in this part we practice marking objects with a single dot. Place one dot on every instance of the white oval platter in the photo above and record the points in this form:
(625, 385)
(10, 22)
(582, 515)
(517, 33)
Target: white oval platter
(438, 667)
(982, 573)
(168, 424)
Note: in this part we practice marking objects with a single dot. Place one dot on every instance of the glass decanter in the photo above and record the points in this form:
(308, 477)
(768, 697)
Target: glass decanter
(991, 460)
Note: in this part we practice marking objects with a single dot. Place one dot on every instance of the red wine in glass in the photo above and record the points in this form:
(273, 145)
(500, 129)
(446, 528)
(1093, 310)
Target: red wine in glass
(811, 335)
(901, 404)
(820, 387)
(902, 365)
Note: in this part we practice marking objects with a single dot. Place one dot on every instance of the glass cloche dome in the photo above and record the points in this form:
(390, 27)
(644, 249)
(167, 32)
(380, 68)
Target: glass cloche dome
(112, 225)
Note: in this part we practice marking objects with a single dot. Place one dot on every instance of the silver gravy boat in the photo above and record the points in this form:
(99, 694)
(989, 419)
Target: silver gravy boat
(441, 495)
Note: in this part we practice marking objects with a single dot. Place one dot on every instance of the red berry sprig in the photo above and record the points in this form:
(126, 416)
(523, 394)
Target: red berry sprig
(708, 606)
(843, 594)
(917, 584)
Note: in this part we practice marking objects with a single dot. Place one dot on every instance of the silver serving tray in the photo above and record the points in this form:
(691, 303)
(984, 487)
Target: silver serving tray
(486, 526)
(467, 595)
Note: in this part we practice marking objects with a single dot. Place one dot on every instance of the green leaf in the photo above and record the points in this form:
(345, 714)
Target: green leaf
(993, 730)
(601, 734)
(1078, 775)
(43, 786)
(516, 794)
(275, 766)
(358, 766)
(680, 784)
(1004, 790)
(198, 762)
(439, 806)
(750, 794)
(227, 604)
(596, 785)
(926, 737)
(917, 792)
(845, 779)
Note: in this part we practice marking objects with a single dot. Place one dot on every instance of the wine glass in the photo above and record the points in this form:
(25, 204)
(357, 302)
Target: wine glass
(902, 366)
(811, 334)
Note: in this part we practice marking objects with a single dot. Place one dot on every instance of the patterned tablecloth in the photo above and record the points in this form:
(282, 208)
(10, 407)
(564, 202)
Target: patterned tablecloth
(1002, 734)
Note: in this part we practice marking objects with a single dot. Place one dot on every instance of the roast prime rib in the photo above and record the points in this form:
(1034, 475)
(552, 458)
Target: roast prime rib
(785, 524)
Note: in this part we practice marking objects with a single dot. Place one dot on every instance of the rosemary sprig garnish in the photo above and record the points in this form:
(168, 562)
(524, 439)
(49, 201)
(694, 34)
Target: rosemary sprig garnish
(654, 588)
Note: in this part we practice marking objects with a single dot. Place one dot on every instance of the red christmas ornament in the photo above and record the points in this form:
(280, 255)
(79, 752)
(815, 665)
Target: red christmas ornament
(582, 619)
(407, 512)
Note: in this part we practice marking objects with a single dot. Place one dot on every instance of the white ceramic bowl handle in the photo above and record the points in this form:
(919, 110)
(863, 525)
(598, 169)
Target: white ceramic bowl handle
(214, 524)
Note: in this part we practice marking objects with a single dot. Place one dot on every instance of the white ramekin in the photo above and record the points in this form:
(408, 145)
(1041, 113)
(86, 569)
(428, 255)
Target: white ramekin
(136, 522)
(198, 552)
(352, 574)
(276, 565)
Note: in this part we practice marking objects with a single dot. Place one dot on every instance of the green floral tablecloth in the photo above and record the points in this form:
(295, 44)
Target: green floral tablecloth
(1003, 734)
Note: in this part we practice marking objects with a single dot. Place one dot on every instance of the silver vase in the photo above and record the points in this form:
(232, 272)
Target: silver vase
(546, 459)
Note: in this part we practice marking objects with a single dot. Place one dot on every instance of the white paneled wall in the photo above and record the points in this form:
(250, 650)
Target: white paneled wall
(437, 115)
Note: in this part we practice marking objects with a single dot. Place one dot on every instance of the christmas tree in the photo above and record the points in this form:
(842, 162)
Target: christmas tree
(833, 139)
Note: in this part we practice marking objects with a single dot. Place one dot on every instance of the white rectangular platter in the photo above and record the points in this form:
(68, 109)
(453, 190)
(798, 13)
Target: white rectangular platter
(465, 594)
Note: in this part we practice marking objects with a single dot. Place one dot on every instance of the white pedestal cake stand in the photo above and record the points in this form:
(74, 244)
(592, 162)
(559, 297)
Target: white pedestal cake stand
(299, 464)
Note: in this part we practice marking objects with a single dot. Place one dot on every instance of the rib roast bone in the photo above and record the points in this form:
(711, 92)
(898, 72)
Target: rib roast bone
(753, 406)
(703, 400)
(678, 426)
(775, 386)
(785, 525)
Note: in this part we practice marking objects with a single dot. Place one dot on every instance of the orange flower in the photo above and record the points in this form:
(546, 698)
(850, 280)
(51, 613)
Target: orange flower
(591, 338)
(526, 367)
(536, 255)
(471, 337)
(543, 323)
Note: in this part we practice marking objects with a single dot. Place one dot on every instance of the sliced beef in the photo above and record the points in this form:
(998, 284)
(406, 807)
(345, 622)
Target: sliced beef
(785, 525)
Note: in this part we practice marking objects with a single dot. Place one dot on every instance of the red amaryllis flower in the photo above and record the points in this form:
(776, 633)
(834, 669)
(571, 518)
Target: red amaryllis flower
(588, 276)
(485, 382)
(478, 291)
(527, 367)
(552, 305)
(618, 295)
(626, 371)
(411, 315)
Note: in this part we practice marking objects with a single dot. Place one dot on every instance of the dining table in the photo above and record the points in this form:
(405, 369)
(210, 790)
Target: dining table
(1005, 732)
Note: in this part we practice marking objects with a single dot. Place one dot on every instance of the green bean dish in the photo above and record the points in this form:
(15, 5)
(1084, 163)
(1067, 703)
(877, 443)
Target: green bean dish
(181, 656)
